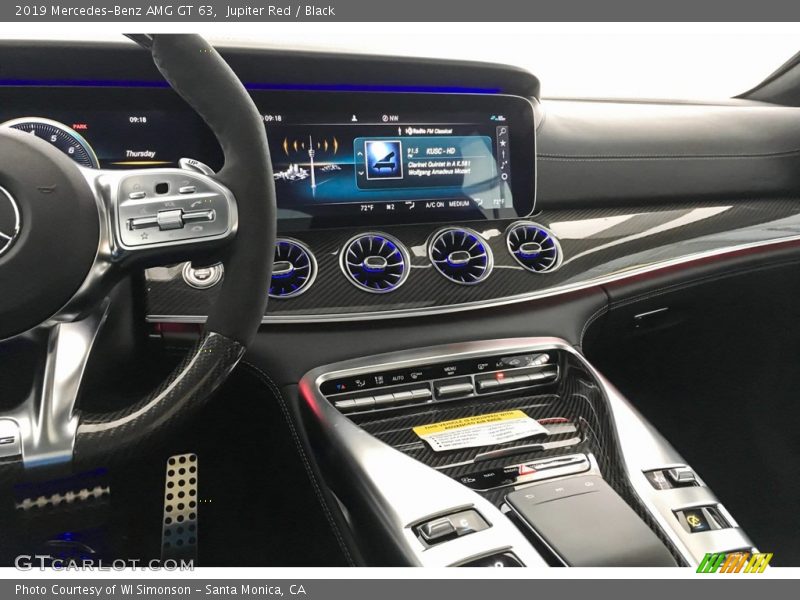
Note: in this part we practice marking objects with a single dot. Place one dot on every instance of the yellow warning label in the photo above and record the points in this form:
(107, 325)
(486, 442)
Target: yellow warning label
(479, 431)
(507, 415)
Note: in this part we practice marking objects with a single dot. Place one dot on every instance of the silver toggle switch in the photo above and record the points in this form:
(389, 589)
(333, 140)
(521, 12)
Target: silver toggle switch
(174, 218)
(170, 219)
(143, 222)
(682, 475)
(199, 216)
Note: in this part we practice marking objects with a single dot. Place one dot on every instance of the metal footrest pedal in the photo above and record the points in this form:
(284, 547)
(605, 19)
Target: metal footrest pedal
(179, 521)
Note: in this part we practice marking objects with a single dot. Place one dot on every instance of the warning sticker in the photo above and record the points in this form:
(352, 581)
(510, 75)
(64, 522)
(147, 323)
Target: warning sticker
(483, 430)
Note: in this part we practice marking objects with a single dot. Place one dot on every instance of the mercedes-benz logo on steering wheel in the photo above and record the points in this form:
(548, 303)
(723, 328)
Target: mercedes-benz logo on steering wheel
(9, 221)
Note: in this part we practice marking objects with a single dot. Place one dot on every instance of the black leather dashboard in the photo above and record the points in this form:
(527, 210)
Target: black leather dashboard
(596, 153)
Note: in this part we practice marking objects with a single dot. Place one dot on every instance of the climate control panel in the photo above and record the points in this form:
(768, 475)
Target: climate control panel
(440, 381)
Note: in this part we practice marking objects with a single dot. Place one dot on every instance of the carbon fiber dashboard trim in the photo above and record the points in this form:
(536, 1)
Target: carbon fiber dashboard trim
(599, 246)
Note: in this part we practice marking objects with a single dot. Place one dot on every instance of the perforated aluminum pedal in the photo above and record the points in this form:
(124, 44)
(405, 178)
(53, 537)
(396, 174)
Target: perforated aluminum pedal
(179, 523)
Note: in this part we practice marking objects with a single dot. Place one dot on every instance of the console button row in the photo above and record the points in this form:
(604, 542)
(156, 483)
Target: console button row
(498, 381)
(445, 389)
(380, 400)
(442, 371)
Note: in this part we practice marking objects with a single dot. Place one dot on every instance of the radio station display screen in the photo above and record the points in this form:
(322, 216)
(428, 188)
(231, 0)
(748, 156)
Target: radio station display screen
(399, 164)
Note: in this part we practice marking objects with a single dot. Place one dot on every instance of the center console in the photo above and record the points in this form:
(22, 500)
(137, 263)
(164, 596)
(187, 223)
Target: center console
(505, 453)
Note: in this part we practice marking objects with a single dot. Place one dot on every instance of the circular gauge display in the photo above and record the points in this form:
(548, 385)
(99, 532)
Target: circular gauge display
(66, 139)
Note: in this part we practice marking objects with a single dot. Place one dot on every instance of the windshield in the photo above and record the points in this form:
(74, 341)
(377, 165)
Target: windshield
(575, 60)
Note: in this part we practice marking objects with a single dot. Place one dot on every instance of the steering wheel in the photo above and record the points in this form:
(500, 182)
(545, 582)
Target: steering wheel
(75, 232)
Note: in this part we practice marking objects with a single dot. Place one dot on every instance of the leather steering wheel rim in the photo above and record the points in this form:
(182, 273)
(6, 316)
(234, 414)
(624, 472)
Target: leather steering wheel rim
(194, 69)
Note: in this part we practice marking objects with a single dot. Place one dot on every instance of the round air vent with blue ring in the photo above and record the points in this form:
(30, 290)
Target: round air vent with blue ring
(534, 247)
(294, 269)
(375, 262)
(461, 255)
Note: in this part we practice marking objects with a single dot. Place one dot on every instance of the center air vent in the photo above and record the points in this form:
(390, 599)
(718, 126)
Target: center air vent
(534, 247)
(294, 269)
(461, 255)
(375, 262)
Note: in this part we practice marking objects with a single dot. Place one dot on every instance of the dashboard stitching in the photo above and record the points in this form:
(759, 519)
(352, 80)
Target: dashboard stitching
(595, 316)
(309, 471)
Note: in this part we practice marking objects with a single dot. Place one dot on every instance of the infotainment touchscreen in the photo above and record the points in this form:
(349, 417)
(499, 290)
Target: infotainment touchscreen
(400, 158)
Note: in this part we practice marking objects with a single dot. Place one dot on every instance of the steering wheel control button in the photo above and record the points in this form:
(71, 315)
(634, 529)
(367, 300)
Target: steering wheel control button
(9, 221)
(190, 164)
(199, 209)
(504, 559)
(170, 219)
(202, 278)
(143, 222)
(198, 216)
